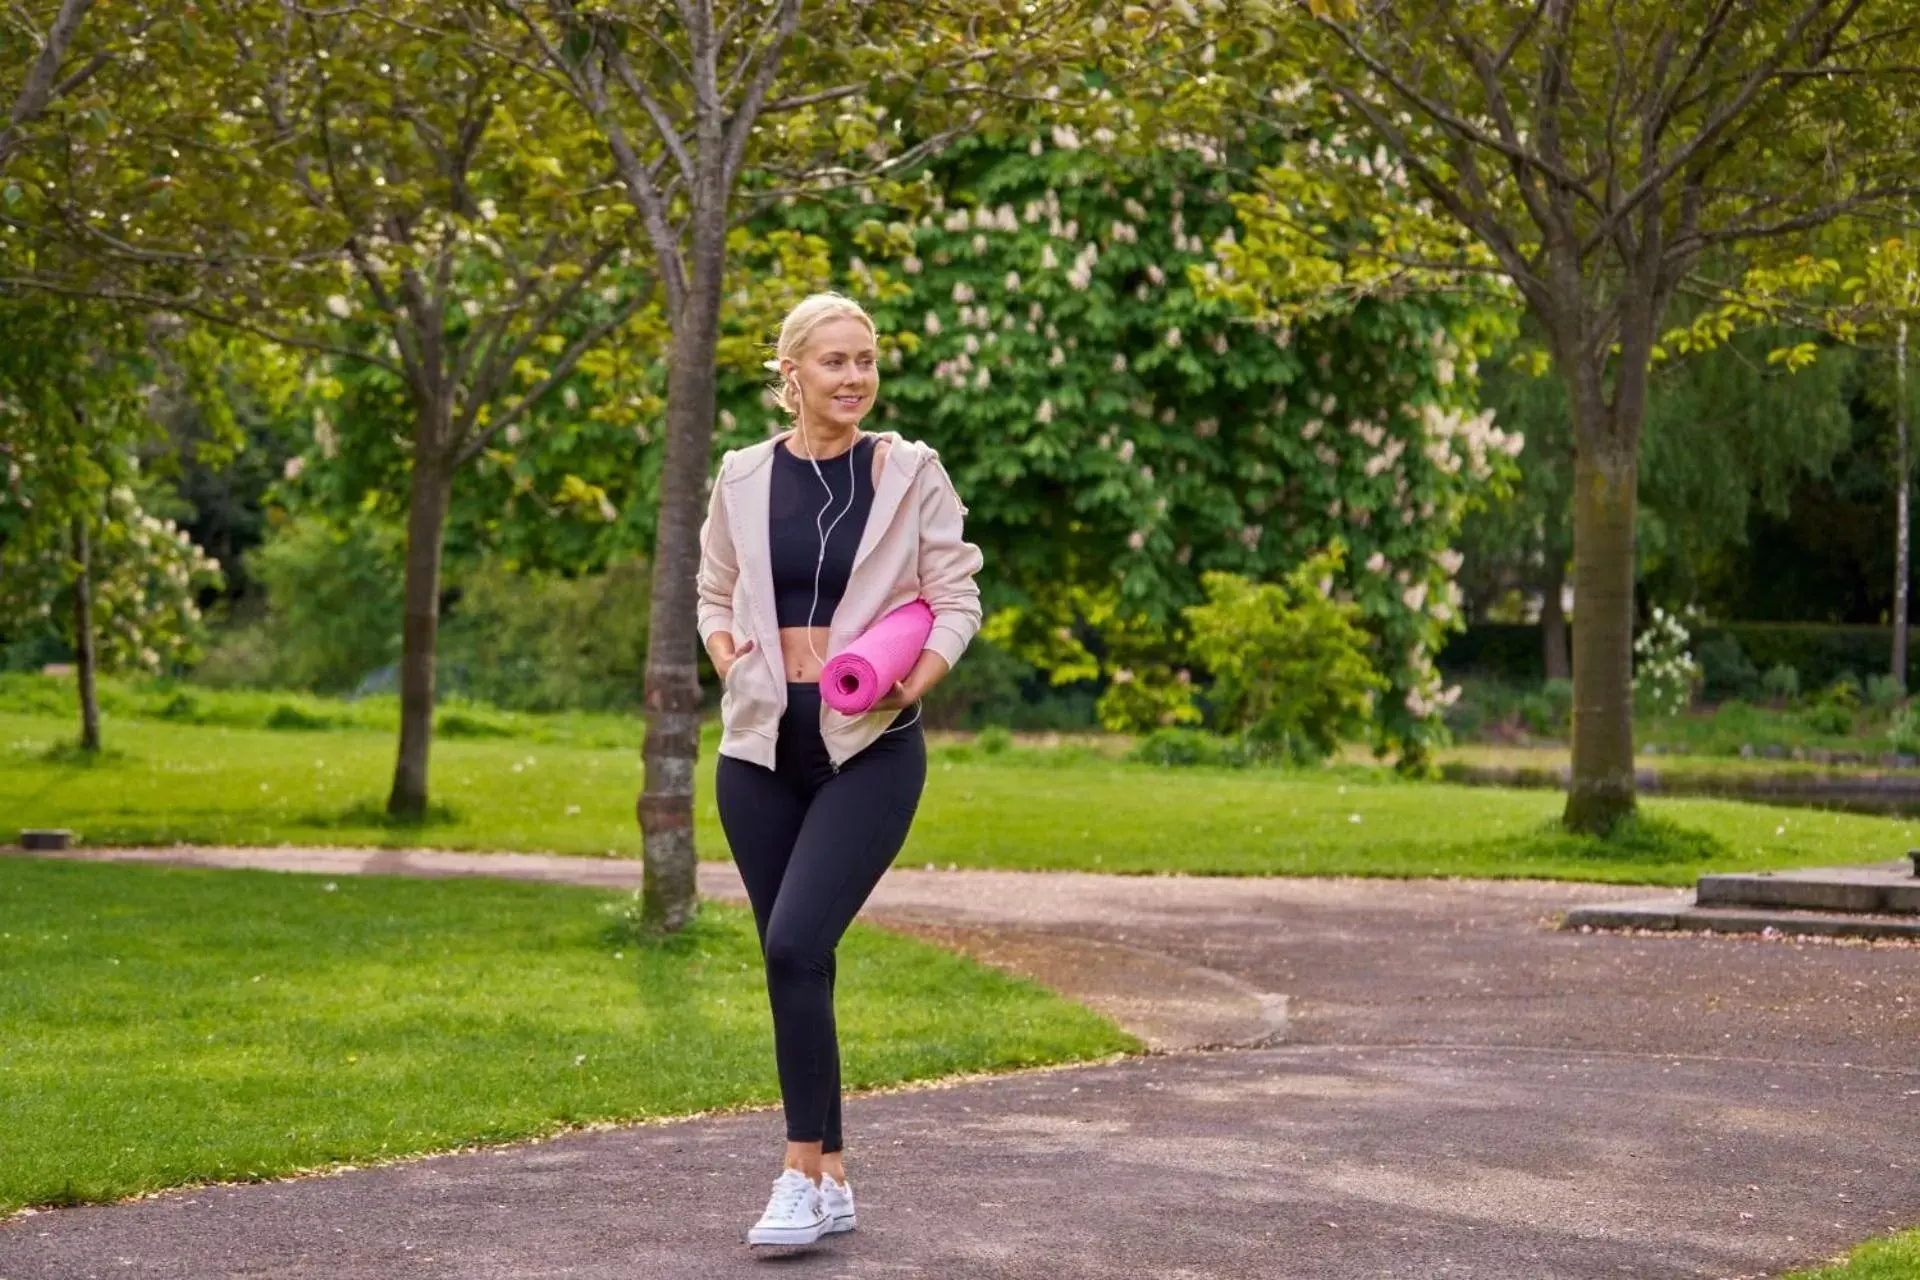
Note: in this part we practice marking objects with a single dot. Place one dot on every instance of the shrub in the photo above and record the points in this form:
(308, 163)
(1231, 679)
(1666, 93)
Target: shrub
(333, 608)
(1903, 731)
(539, 641)
(1536, 713)
(1830, 718)
(1187, 747)
(467, 724)
(182, 706)
(288, 716)
(1289, 664)
(985, 688)
(1884, 690)
(1152, 697)
(1781, 683)
(993, 739)
(1549, 712)
(1844, 692)
(1726, 670)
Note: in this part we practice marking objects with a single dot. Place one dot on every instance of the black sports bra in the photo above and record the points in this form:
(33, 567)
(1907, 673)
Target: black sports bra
(800, 508)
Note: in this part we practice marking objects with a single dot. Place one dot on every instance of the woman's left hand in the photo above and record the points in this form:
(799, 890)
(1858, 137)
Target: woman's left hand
(896, 698)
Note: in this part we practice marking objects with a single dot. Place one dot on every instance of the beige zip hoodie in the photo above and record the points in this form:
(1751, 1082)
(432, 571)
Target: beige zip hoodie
(912, 547)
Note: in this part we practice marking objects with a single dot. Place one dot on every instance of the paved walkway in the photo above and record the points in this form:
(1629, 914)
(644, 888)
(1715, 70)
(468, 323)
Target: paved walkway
(1458, 1091)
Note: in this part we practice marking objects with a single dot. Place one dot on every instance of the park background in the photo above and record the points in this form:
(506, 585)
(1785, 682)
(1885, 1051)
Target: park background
(364, 371)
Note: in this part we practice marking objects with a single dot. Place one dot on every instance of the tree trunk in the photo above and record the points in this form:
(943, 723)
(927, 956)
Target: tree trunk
(1553, 619)
(1903, 520)
(431, 491)
(1605, 489)
(669, 892)
(83, 638)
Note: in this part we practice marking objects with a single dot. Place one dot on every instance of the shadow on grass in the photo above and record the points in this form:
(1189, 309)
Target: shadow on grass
(371, 813)
(70, 753)
(621, 926)
(1637, 839)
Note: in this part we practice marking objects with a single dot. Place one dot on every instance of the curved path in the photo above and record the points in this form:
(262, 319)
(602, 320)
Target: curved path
(1442, 1085)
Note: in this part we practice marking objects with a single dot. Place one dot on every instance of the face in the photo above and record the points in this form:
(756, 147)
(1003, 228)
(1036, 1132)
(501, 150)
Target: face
(838, 373)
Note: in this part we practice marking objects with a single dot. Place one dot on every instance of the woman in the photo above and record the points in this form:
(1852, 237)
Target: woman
(810, 538)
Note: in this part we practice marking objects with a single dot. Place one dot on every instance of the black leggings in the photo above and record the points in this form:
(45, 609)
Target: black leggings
(811, 844)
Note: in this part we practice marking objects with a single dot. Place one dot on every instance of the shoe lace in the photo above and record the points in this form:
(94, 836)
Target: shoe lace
(788, 1194)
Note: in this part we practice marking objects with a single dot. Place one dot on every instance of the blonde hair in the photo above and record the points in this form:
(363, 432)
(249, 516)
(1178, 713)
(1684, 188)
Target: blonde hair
(807, 315)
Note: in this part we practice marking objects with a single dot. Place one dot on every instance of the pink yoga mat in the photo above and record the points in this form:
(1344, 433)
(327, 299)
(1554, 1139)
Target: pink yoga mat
(860, 674)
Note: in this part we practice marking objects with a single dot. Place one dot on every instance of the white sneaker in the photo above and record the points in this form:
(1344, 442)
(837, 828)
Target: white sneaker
(838, 1197)
(796, 1212)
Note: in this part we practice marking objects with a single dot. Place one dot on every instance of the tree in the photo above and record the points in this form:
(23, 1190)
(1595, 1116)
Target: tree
(1119, 434)
(1889, 290)
(1726, 434)
(39, 44)
(1601, 161)
(708, 115)
(79, 551)
(381, 185)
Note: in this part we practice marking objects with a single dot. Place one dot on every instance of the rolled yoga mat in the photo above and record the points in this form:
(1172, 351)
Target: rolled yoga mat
(860, 674)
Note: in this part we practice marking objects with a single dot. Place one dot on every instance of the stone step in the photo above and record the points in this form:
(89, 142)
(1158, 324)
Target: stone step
(1666, 914)
(1890, 889)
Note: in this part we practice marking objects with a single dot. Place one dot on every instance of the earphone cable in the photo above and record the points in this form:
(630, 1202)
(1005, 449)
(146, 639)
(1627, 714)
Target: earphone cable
(853, 489)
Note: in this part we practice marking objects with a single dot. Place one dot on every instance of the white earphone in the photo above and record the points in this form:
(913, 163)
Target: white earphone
(853, 489)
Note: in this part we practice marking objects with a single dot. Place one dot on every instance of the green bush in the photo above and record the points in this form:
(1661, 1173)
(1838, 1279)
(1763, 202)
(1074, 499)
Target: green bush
(1781, 683)
(1844, 692)
(1728, 671)
(1489, 707)
(469, 724)
(1178, 748)
(984, 688)
(1883, 690)
(993, 739)
(1549, 712)
(288, 716)
(538, 641)
(333, 609)
(1559, 695)
(1290, 667)
(1903, 731)
(1828, 718)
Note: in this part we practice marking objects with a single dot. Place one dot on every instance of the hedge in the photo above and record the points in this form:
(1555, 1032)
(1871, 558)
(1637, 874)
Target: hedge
(1821, 652)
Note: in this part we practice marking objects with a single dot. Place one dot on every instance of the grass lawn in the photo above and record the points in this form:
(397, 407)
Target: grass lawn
(161, 1026)
(1068, 808)
(1894, 1258)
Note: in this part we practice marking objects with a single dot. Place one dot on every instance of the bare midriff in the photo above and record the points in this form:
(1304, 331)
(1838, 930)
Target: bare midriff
(797, 652)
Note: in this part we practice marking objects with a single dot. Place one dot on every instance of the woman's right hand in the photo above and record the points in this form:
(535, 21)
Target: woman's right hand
(737, 655)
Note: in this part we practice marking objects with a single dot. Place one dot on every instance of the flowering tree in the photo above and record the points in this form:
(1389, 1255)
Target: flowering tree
(1119, 433)
(78, 551)
(384, 185)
